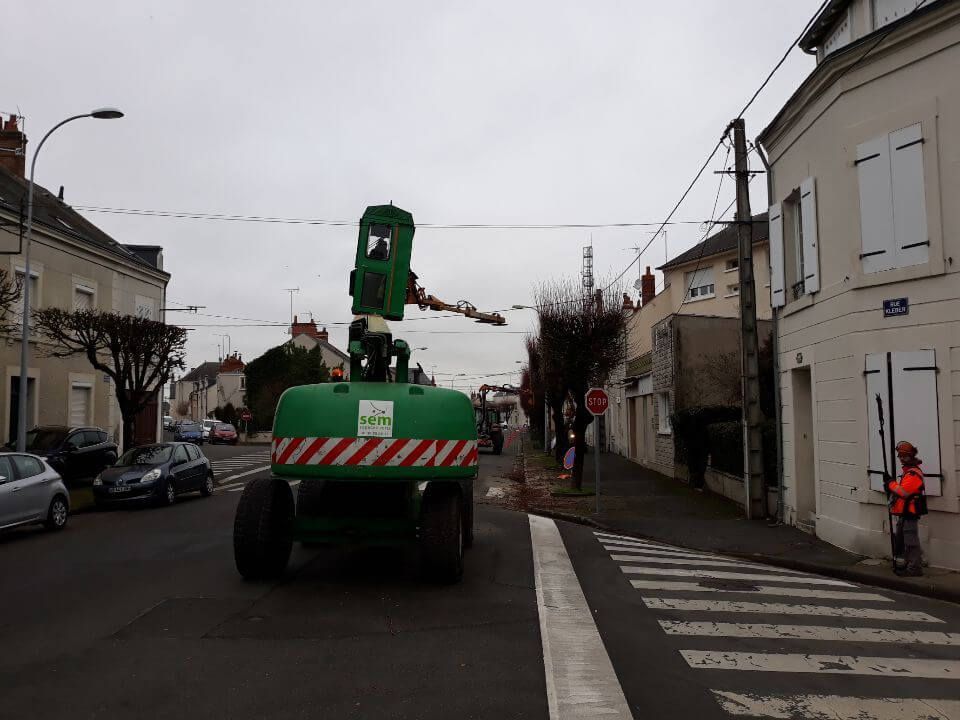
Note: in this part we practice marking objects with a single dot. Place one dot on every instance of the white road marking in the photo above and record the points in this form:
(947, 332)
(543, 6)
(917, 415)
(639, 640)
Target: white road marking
(785, 609)
(808, 632)
(679, 585)
(580, 678)
(724, 575)
(237, 489)
(244, 474)
(650, 550)
(836, 707)
(823, 664)
(657, 560)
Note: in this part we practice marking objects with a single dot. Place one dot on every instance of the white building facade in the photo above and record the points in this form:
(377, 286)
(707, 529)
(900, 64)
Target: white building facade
(864, 249)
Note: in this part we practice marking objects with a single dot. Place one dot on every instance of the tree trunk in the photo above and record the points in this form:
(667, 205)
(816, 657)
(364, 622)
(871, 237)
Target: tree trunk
(581, 421)
(560, 432)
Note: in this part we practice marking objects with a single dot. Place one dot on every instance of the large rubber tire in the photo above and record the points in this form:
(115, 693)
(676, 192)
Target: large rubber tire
(468, 515)
(441, 536)
(263, 529)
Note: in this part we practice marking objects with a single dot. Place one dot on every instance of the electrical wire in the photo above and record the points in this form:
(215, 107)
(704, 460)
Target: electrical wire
(713, 152)
(188, 215)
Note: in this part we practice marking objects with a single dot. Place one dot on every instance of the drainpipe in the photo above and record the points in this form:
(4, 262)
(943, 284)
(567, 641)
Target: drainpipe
(776, 353)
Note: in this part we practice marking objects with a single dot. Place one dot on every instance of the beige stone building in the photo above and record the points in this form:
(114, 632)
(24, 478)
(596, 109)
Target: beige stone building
(865, 249)
(208, 386)
(73, 264)
(702, 281)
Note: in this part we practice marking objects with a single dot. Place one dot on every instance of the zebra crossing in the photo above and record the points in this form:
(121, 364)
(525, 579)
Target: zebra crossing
(239, 463)
(818, 647)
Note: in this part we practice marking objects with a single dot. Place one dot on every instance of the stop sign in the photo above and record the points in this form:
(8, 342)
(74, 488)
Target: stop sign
(597, 401)
(246, 416)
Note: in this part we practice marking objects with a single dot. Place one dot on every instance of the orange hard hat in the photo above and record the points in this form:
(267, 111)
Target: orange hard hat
(906, 448)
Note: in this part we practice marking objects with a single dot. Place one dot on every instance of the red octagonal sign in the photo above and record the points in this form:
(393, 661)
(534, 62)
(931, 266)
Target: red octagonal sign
(597, 401)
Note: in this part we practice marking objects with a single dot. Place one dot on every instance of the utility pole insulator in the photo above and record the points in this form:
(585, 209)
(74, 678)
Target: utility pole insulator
(755, 500)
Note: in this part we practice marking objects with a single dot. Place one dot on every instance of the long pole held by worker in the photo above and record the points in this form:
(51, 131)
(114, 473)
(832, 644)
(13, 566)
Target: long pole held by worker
(886, 474)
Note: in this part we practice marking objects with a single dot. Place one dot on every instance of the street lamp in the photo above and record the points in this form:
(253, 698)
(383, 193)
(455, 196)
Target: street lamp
(523, 307)
(99, 114)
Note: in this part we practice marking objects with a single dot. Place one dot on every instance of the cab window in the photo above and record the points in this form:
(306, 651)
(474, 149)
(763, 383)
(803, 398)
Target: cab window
(379, 241)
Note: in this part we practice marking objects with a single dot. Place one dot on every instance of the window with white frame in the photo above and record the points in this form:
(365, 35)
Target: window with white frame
(663, 413)
(700, 284)
(733, 290)
(794, 245)
(906, 383)
(83, 297)
(893, 209)
(17, 308)
(732, 264)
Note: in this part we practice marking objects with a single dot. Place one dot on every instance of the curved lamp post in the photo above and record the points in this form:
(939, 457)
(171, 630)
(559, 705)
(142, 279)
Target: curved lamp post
(99, 114)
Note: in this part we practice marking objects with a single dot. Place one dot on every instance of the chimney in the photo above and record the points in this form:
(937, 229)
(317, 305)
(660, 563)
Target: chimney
(627, 302)
(323, 335)
(648, 287)
(12, 139)
(60, 194)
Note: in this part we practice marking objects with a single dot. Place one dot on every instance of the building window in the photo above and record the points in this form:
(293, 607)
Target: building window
(243, 382)
(80, 394)
(732, 264)
(733, 290)
(893, 210)
(145, 308)
(910, 412)
(83, 297)
(663, 413)
(17, 307)
(700, 284)
(794, 255)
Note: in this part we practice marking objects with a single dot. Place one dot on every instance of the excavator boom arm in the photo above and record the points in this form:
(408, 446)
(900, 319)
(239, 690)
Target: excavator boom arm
(416, 295)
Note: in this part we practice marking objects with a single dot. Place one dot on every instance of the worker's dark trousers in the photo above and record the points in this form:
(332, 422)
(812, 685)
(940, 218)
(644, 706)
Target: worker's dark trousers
(907, 552)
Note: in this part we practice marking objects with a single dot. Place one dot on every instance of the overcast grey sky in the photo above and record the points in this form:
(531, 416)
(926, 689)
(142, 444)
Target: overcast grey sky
(494, 112)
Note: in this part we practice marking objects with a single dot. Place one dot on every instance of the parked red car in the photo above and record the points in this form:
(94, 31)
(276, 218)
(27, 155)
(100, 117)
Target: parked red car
(223, 433)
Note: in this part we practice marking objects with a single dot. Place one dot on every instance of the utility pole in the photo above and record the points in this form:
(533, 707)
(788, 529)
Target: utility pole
(291, 291)
(755, 500)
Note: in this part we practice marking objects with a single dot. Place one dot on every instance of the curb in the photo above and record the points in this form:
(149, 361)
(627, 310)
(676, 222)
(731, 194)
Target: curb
(840, 573)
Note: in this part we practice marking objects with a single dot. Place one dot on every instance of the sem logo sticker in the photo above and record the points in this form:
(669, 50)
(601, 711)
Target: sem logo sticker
(375, 418)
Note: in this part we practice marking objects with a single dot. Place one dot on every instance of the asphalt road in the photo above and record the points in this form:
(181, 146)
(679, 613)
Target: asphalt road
(141, 614)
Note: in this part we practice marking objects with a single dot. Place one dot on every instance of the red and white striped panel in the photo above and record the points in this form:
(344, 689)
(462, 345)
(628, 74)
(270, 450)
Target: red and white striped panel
(374, 452)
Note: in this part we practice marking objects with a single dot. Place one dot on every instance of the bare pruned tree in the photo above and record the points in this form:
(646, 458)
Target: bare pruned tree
(531, 387)
(138, 354)
(582, 340)
(11, 290)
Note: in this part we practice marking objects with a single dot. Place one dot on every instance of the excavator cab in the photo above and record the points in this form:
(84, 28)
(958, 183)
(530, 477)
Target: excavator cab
(378, 282)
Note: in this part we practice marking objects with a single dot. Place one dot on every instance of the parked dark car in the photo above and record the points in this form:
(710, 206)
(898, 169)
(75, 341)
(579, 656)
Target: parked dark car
(188, 432)
(155, 473)
(223, 433)
(73, 452)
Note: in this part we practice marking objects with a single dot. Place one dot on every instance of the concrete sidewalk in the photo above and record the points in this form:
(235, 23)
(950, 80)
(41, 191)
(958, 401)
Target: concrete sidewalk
(640, 502)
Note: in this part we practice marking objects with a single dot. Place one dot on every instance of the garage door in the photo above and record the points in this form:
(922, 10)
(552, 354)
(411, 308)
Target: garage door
(79, 405)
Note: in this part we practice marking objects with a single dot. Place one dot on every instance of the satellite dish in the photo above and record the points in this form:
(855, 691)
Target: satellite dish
(638, 284)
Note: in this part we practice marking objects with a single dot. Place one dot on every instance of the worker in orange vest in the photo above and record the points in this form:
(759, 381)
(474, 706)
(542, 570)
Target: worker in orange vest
(907, 503)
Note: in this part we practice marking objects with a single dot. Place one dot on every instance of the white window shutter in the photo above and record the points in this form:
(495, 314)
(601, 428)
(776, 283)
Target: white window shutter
(876, 205)
(915, 410)
(909, 198)
(876, 374)
(811, 250)
(777, 281)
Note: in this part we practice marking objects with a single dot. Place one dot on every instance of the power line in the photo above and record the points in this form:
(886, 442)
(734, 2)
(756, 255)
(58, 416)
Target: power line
(190, 215)
(713, 152)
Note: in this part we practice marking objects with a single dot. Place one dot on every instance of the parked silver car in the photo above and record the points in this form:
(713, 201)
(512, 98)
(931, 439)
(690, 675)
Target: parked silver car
(31, 492)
